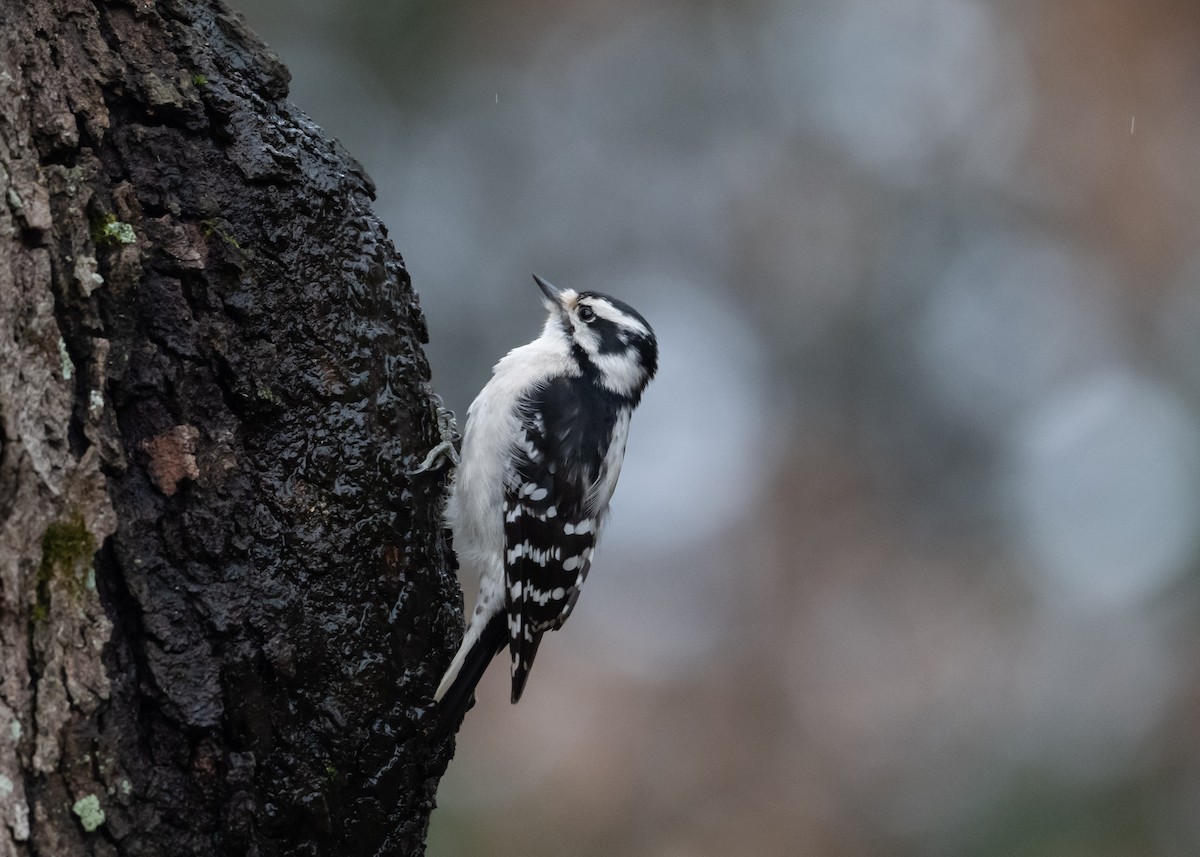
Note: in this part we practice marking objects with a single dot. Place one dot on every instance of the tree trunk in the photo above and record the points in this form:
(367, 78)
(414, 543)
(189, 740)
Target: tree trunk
(222, 602)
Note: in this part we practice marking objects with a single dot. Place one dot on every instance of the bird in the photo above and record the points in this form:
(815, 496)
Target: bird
(541, 453)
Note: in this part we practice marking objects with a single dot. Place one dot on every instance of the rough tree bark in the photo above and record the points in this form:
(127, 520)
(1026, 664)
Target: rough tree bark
(222, 603)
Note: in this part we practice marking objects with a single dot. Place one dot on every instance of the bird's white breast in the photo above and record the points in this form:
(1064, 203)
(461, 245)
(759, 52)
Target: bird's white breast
(473, 510)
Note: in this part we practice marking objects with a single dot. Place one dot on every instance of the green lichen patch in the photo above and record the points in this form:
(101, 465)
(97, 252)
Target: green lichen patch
(215, 226)
(199, 80)
(107, 230)
(68, 366)
(90, 814)
(66, 546)
(67, 550)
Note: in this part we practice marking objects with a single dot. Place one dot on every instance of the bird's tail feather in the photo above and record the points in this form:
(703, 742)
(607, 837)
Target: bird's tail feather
(522, 662)
(456, 691)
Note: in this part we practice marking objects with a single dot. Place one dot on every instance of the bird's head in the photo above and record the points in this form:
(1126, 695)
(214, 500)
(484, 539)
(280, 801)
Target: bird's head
(609, 340)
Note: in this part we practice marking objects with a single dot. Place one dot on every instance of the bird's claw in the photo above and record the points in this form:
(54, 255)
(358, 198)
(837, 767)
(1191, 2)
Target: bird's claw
(447, 449)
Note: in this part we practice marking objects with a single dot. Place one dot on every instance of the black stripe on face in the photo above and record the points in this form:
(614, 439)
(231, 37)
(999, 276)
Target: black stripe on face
(648, 353)
(609, 334)
(620, 305)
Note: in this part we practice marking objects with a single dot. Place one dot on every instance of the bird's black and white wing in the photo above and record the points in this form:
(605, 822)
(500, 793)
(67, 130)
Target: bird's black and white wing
(554, 509)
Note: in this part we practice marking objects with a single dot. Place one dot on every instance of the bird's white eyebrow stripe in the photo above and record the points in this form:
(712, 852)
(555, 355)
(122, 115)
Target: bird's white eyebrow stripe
(609, 312)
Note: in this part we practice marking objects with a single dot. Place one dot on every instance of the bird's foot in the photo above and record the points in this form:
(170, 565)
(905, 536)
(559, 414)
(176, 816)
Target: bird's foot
(447, 449)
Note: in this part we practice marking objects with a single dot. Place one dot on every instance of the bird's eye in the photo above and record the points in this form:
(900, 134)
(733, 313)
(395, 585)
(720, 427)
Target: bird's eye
(586, 314)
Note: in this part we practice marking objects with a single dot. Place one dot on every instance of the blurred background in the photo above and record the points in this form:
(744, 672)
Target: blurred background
(905, 559)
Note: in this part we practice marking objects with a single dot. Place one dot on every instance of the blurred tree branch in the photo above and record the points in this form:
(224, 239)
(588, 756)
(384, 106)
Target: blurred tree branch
(221, 601)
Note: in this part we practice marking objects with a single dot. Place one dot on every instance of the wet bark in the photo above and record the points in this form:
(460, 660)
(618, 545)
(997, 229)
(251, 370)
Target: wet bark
(222, 603)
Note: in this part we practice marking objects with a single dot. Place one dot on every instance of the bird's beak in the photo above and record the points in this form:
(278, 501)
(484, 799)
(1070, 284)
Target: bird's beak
(553, 295)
